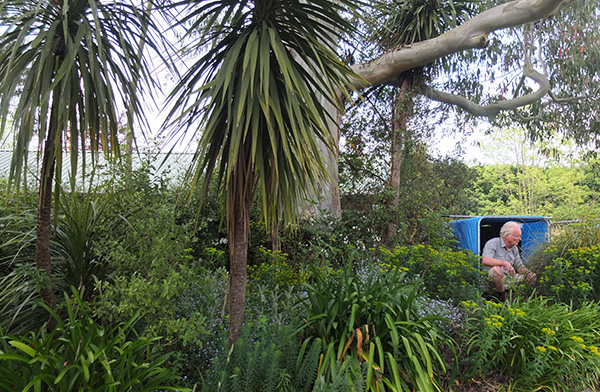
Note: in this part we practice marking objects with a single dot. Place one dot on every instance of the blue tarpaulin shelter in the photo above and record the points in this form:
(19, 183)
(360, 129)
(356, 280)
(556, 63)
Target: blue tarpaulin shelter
(473, 233)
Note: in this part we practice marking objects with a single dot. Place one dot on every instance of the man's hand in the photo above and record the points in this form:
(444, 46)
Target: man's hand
(509, 268)
(531, 277)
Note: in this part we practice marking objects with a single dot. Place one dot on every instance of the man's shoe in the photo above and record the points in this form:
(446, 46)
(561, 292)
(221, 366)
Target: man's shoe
(501, 296)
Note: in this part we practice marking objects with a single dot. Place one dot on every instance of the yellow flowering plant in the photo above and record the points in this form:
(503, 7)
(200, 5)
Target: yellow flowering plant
(568, 265)
(446, 274)
(275, 269)
(532, 342)
(573, 275)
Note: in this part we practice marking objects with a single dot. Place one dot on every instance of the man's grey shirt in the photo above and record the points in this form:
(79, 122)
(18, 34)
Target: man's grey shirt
(496, 248)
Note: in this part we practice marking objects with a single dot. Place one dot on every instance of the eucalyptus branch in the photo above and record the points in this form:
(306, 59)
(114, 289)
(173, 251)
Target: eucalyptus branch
(554, 99)
(540, 59)
(496, 107)
(357, 170)
(527, 45)
(519, 85)
(473, 34)
(570, 99)
(528, 48)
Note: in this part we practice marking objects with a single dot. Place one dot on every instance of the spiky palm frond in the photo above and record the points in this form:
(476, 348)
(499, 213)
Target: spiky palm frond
(254, 96)
(404, 22)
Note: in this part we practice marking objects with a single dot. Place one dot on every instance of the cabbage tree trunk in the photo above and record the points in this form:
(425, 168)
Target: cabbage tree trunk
(43, 258)
(238, 264)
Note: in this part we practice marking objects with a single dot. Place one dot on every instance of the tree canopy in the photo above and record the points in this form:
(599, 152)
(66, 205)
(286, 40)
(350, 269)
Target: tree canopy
(546, 51)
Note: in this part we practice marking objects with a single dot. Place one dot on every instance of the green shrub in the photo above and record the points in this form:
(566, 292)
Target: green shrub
(274, 270)
(572, 276)
(81, 354)
(532, 344)
(583, 233)
(446, 274)
(148, 257)
(148, 250)
(371, 314)
(567, 265)
(324, 240)
(580, 234)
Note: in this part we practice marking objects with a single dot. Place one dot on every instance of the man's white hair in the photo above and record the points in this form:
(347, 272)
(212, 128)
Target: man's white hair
(508, 228)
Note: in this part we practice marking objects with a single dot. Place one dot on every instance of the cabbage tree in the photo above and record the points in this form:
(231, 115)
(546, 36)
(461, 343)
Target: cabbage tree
(67, 68)
(252, 97)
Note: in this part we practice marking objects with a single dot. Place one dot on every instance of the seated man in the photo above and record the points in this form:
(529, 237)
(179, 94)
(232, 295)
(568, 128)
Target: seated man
(500, 257)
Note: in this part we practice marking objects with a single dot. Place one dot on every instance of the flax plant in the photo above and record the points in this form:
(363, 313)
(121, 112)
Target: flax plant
(19, 280)
(372, 321)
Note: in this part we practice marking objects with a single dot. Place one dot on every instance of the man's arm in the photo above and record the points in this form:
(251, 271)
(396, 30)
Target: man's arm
(520, 267)
(492, 262)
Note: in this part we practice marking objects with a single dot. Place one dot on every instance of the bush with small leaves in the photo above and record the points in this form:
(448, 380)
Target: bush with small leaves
(446, 274)
(572, 276)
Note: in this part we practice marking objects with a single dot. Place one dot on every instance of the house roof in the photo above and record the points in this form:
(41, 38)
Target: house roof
(172, 165)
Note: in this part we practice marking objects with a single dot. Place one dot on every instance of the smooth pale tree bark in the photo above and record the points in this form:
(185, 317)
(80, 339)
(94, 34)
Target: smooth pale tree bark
(473, 34)
(402, 99)
(329, 199)
(326, 195)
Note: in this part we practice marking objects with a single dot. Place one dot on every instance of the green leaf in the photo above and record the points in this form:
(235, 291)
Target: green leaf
(64, 371)
(14, 357)
(23, 347)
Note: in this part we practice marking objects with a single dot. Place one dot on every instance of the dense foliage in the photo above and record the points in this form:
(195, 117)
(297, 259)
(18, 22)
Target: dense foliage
(82, 354)
(268, 358)
(148, 284)
(531, 344)
(445, 274)
(373, 315)
(331, 310)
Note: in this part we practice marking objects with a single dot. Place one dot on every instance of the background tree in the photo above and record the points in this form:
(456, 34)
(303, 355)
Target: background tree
(561, 192)
(510, 49)
(397, 24)
(79, 62)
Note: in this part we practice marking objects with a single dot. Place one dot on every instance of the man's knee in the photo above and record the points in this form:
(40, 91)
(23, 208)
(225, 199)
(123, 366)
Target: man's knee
(498, 272)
